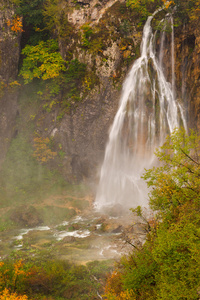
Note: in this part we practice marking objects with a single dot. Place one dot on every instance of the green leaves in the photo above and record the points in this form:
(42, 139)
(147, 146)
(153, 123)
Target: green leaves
(42, 61)
(45, 62)
(31, 10)
(142, 7)
(176, 193)
(177, 180)
(176, 251)
(87, 33)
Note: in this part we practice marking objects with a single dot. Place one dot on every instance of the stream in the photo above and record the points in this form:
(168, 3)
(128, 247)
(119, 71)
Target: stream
(82, 239)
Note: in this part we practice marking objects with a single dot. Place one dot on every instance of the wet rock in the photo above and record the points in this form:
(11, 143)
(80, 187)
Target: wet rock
(9, 59)
(75, 226)
(115, 211)
(69, 239)
(119, 229)
(26, 216)
(100, 220)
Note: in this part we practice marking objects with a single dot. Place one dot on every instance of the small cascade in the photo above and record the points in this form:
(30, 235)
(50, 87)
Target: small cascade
(148, 111)
(173, 67)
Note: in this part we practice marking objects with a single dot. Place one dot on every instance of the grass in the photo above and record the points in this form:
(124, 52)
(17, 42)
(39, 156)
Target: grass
(53, 215)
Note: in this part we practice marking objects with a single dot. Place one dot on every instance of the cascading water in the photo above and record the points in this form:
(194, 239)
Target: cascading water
(148, 111)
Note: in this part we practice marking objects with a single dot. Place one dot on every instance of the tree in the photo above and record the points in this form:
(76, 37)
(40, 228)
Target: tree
(177, 180)
(140, 6)
(11, 296)
(30, 10)
(42, 61)
(55, 14)
(11, 279)
(175, 193)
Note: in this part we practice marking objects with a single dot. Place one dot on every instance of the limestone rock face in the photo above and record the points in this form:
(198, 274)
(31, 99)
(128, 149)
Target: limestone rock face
(9, 59)
(83, 130)
(83, 133)
(89, 11)
(187, 69)
(193, 77)
(9, 45)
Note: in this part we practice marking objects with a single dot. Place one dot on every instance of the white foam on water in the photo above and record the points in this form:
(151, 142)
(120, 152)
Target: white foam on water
(77, 233)
(26, 231)
(78, 219)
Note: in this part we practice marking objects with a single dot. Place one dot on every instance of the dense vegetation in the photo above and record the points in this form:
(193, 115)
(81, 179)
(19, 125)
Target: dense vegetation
(167, 266)
(41, 277)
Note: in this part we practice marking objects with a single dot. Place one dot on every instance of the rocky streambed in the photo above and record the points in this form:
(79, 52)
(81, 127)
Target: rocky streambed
(86, 237)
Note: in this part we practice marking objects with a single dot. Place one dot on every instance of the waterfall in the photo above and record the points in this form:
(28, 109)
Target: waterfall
(147, 112)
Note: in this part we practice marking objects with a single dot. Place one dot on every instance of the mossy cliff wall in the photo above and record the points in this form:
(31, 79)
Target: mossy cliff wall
(9, 60)
(78, 124)
(188, 71)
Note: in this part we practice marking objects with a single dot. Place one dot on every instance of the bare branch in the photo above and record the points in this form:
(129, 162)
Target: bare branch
(189, 157)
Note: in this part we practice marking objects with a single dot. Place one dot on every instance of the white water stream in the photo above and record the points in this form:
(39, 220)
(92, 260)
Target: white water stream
(148, 111)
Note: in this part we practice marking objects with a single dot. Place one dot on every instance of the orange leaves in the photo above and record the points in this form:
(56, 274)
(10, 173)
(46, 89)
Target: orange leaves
(114, 283)
(11, 277)
(168, 3)
(42, 152)
(194, 12)
(3, 272)
(14, 84)
(15, 24)
(11, 296)
(114, 290)
(18, 269)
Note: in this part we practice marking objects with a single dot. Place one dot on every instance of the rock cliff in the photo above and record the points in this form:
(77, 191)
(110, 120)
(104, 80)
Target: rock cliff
(9, 60)
(105, 39)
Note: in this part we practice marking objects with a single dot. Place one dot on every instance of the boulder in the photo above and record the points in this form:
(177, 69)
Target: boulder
(27, 216)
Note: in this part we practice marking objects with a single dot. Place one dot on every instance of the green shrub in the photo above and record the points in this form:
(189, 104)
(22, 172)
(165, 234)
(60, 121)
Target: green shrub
(42, 61)
(40, 277)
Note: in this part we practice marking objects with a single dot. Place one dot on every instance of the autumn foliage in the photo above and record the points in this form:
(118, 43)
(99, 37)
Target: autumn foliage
(43, 152)
(194, 13)
(37, 277)
(11, 278)
(6, 295)
(15, 24)
(42, 61)
(114, 290)
(168, 3)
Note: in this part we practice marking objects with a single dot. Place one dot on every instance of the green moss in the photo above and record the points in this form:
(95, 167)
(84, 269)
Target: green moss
(53, 215)
(5, 222)
(80, 204)
(61, 227)
(2, 88)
